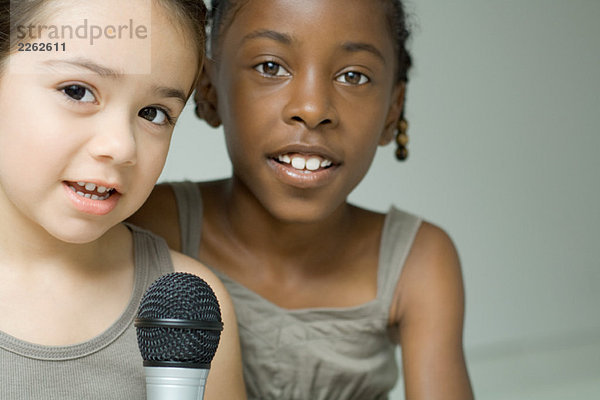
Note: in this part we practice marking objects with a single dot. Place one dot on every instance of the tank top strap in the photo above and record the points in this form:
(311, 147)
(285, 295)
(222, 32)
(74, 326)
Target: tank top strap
(399, 231)
(189, 206)
(152, 254)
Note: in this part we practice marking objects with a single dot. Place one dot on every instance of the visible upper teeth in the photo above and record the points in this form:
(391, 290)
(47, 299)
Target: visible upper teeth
(313, 164)
(90, 187)
(298, 162)
(301, 163)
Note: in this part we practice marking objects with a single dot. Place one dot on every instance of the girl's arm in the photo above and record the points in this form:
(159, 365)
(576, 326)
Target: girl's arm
(225, 379)
(428, 312)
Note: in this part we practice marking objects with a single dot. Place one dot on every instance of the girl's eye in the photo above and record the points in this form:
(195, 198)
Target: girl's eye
(155, 115)
(79, 93)
(352, 78)
(270, 68)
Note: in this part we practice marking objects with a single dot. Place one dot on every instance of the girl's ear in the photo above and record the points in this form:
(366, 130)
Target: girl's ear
(206, 96)
(394, 114)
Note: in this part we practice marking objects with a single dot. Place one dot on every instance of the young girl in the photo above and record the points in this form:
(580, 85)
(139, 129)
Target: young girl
(323, 289)
(86, 123)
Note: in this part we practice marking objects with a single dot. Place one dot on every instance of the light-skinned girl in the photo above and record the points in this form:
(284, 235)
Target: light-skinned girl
(88, 108)
(324, 290)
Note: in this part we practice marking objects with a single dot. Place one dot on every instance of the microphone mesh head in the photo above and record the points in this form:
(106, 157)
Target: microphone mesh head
(179, 296)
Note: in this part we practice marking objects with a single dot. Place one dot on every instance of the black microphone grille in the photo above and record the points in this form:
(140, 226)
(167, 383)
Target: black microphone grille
(179, 322)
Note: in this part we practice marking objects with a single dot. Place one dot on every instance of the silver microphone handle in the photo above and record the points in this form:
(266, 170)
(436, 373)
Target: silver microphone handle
(171, 383)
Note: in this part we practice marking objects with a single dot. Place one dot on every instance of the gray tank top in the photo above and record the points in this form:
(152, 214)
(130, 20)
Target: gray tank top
(107, 367)
(317, 353)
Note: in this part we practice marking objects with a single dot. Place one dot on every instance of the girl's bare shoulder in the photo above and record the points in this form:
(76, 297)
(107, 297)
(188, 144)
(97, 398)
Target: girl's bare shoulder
(183, 263)
(431, 278)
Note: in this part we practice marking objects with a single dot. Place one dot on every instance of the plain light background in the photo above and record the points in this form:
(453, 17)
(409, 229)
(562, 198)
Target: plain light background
(504, 113)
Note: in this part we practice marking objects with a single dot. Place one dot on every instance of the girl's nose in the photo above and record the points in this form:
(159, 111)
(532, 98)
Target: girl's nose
(310, 102)
(114, 141)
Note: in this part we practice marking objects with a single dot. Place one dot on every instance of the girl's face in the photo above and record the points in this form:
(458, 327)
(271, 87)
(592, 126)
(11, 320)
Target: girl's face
(306, 92)
(85, 130)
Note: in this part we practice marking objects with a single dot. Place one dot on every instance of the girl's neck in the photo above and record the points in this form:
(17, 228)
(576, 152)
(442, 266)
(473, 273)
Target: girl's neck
(55, 293)
(250, 220)
(275, 258)
(28, 245)
(234, 220)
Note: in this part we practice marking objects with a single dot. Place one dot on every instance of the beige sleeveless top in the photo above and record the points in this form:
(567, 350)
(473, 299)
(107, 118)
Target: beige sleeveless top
(317, 353)
(107, 367)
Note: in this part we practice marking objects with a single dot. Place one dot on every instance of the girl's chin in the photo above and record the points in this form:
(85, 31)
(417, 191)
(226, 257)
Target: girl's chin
(81, 236)
(77, 231)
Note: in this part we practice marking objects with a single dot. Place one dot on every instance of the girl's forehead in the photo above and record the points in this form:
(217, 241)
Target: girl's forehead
(101, 38)
(104, 29)
(293, 9)
(123, 36)
(322, 18)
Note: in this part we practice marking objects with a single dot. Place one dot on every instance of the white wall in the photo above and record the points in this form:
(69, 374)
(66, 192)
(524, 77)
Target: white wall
(504, 112)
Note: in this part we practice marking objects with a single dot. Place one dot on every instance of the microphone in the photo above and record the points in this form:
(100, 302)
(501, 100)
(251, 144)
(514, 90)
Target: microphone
(178, 329)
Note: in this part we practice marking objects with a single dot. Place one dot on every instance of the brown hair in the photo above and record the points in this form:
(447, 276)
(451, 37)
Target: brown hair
(190, 14)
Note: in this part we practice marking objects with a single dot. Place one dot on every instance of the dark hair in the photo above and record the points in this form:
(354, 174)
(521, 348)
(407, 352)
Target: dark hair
(397, 21)
(190, 14)
(221, 15)
(12, 15)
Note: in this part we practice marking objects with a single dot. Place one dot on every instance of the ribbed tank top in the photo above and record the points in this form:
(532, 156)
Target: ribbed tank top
(107, 367)
(316, 353)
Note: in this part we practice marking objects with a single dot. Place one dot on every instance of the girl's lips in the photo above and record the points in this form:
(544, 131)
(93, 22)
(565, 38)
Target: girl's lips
(302, 178)
(311, 162)
(97, 200)
(91, 190)
(307, 151)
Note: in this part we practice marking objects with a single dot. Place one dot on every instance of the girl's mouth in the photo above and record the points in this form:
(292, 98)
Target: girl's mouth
(305, 163)
(91, 190)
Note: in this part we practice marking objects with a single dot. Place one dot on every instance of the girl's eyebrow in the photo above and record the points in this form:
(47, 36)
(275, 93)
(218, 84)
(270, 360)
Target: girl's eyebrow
(89, 65)
(284, 38)
(269, 34)
(359, 46)
(168, 92)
